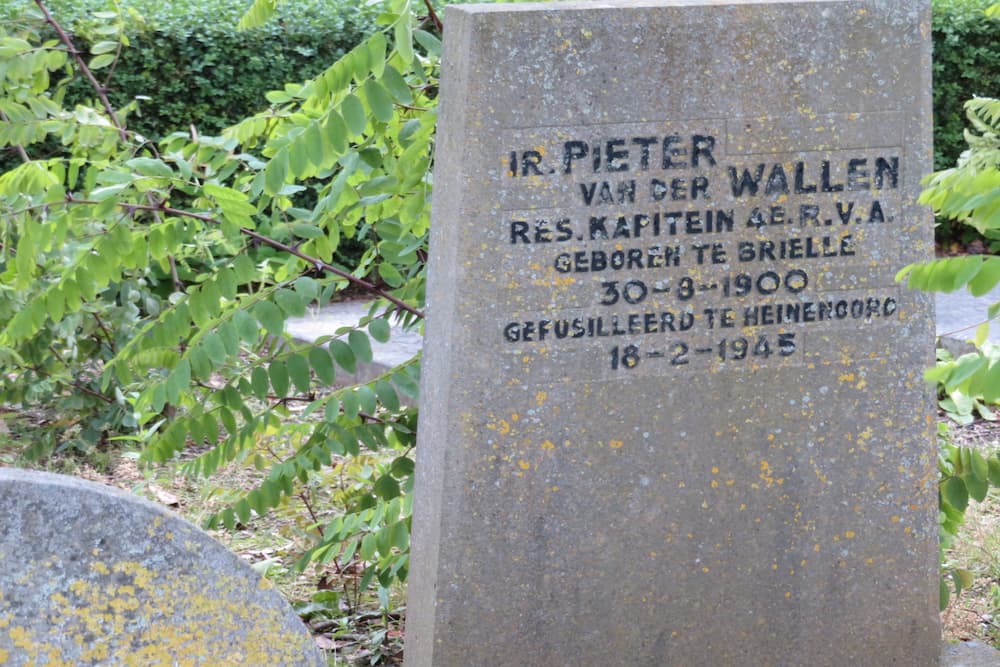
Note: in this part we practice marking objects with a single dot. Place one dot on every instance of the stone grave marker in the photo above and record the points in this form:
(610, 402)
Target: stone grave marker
(673, 410)
(95, 576)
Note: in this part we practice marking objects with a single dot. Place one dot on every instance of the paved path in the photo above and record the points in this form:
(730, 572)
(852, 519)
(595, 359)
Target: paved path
(959, 313)
(402, 345)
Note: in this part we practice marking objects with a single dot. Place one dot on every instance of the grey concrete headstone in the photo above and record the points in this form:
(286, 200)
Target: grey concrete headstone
(672, 407)
(95, 576)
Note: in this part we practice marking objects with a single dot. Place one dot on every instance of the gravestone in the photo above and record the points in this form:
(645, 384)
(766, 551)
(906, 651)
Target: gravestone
(95, 576)
(672, 408)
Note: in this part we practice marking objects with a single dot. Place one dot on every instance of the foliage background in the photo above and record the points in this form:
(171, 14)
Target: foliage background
(197, 67)
(966, 53)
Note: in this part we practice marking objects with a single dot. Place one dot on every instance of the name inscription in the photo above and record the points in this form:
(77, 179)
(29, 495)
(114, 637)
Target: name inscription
(674, 253)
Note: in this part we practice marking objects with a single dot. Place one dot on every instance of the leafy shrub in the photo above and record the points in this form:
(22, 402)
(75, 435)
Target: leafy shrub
(968, 194)
(966, 53)
(145, 285)
(193, 64)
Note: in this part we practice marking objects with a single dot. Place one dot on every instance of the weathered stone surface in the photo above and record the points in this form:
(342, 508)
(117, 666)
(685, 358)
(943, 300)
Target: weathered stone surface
(673, 410)
(969, 654)
(95, 576)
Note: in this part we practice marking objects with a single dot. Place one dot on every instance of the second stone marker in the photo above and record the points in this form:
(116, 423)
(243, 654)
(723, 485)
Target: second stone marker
(672, 407)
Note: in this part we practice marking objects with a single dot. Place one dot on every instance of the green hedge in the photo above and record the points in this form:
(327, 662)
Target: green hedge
(966, 64)
(188, 57)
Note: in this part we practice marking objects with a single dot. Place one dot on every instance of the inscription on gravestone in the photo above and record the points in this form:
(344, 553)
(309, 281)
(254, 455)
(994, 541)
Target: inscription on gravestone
(673, 409)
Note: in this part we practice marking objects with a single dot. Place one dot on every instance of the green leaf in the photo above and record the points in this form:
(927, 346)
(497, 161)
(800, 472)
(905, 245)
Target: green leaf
(278, 372)
(366, 399)
(291, 302)
(360, 345)
(368, 547)
(390, 275)
(298, 370)
(178, 381)
(306, 231)
(955, 493)
(101, 61)
(276, 172)
(214, 348)
(354, 114)
(978, 465)
(380, 330)
(386, 394)
(964, 368)
(406, 384)
(343, 355)
(350, 404)
(150, 167)
(386, 487)
(994, 470)
(322, 365)
(378, 100)
(402, 32)
(987, 277)
(270, 317)
(244, 269)
(976, 486)
(396, 85)
(402, 466)
(242, 510)
(332, 410)
(982, 334)
(335, 131)
(431, 44)
(259, 382)
(103, 47)
(246, 327)
(376, 53)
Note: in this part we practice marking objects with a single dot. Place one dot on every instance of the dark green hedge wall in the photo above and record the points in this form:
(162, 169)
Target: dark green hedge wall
(188, 57)
(966, 64)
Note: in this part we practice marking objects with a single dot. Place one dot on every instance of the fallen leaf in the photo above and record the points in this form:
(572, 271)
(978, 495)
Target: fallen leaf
(164, 496)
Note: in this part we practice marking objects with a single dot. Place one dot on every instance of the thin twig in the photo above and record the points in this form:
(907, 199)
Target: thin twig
(319, 264)
(174, 276)
(433, 16)
(73, 383)
(304, 497)
(107, 334)
(101, 91)
(21, 153)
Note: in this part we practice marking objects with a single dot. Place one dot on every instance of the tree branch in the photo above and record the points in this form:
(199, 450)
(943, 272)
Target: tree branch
(82, 64)
(319, 264)
(433, 16)
(21, 153)
(73, 383)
